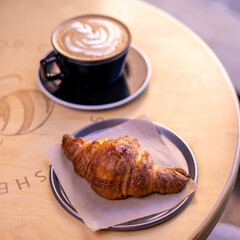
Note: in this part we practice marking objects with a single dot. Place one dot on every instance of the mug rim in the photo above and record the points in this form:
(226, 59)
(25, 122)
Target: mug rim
(93, 62)
(87, 61)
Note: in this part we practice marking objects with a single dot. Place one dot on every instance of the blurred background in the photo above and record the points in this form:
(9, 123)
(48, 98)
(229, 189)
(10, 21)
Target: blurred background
(217, 22)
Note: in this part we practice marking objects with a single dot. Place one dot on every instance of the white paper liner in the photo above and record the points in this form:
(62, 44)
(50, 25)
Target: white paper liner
(98, 212)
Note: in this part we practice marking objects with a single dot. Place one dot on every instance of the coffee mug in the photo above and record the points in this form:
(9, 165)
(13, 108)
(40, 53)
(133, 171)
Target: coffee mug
(89, 51)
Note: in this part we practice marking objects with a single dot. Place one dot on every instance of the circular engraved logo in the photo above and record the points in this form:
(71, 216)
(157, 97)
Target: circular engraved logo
(23, 111)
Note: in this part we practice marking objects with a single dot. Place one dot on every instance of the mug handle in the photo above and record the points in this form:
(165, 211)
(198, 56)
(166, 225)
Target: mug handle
(50, 60)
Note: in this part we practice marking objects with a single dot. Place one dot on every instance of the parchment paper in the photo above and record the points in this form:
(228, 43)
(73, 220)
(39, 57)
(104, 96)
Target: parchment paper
(98, 212)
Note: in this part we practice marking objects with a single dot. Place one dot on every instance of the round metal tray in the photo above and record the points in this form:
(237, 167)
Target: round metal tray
(141, 222)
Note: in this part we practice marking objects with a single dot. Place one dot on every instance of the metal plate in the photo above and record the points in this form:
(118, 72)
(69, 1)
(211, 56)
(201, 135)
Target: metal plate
(142, 222)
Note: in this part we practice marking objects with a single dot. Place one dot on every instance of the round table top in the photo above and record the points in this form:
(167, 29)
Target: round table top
(189, 92)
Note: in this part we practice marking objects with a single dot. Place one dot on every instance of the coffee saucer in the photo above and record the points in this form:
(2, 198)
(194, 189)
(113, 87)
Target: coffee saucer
(132, 82)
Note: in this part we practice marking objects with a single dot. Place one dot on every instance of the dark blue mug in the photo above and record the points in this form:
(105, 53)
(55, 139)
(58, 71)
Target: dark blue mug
(75, 42)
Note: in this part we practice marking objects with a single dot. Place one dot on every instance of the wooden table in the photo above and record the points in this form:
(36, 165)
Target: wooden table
(189, 92)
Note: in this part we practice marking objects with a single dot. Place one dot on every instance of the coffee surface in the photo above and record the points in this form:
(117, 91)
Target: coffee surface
(91, 37)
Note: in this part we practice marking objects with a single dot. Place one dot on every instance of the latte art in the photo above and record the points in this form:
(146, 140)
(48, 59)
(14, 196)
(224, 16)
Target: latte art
(91, 38)
(94, 41)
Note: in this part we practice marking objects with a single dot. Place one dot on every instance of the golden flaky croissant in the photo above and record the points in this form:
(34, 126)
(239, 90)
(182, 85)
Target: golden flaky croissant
(117, 168)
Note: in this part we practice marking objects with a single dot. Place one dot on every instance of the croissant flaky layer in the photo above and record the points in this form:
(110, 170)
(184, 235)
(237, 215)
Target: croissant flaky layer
(117, 168)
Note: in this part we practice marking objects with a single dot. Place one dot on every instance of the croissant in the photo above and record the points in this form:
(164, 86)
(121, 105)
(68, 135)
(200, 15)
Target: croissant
(117, 168)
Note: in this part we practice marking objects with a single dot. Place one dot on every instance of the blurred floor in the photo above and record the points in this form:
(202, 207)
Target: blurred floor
(217, 22)
(231, 213)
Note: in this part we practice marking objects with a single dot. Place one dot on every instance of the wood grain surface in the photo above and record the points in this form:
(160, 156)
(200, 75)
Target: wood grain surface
(189, 92)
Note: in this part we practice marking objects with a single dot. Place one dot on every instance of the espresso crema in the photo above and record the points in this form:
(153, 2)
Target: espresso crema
(91, 37)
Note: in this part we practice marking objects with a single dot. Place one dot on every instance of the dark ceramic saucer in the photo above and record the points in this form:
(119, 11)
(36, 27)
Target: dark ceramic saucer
(134, 79)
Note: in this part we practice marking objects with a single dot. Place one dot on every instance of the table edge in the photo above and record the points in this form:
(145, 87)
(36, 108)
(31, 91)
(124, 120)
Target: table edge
(204, 229)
